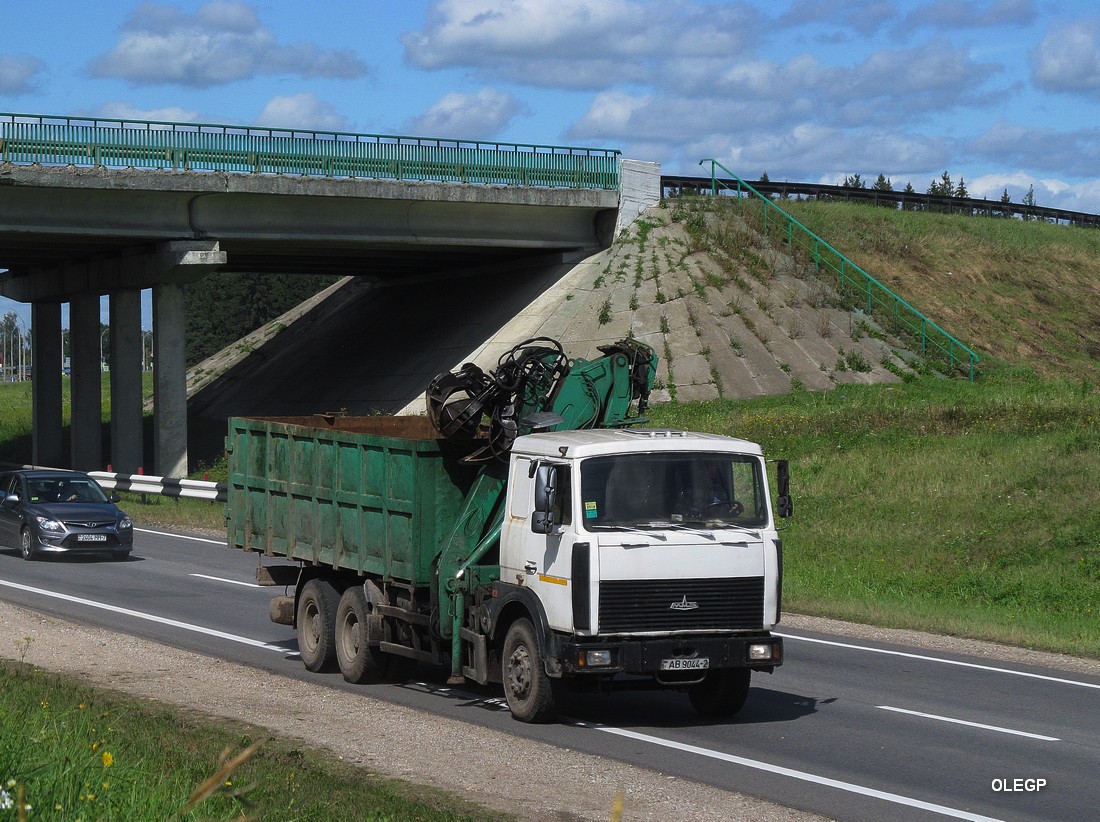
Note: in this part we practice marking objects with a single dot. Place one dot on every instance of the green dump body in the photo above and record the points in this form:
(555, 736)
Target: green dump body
(375, 495)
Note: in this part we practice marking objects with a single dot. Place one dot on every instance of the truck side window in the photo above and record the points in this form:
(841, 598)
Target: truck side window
(564, 513)
(521, 489)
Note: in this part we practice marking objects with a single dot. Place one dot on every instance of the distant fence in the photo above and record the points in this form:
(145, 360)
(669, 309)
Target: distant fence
(164, 486)
(150, 144)
(904, 200)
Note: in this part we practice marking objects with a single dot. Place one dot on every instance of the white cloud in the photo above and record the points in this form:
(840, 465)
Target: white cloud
(1068, 58)
(305, 110)
(221, 43)
(576, 43)
(476, 116)
(19, 75)
(117, 110)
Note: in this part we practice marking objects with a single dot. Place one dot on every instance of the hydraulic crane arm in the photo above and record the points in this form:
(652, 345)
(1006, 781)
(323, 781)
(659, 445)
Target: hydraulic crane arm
(535, 386)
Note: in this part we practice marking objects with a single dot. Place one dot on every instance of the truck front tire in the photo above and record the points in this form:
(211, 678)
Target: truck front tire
(317, 624)
(722, 693)
(527, 689)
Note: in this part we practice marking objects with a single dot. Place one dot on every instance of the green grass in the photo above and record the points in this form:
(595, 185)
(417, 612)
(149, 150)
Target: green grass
(940, 505)
(72, 752)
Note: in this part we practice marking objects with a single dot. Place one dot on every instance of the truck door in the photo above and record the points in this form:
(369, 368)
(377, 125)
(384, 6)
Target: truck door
(541, 562)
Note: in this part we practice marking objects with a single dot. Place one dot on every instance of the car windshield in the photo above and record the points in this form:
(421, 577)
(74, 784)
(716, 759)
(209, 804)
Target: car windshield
(68, 489)
(708, 490)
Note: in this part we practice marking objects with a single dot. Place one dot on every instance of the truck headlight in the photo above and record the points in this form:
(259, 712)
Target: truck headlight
(761, 651)
(593, 659)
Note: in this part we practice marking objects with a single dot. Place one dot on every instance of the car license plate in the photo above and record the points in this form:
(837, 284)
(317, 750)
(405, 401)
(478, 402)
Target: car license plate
(695, 664)
(91, 537)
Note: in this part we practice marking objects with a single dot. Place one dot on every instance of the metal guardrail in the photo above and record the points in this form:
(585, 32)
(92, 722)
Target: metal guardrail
(150, 144)
(904, 200)
(880, 301)
(164, 486)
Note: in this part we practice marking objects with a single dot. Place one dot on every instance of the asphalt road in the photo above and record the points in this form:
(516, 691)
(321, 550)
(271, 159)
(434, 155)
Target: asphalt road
(851, 729)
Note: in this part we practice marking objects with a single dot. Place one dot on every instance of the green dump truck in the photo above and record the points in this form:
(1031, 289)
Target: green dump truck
(523, 532)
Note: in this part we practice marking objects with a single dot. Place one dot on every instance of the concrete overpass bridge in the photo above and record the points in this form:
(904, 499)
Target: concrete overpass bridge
(105, 207)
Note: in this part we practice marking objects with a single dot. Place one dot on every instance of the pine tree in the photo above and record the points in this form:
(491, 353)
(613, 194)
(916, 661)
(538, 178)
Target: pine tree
(1029, 200)
(960, 189)
(882, 183)
(908, 204)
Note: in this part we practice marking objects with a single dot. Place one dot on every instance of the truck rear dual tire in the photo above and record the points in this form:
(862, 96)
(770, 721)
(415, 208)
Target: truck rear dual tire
(722, 693)
(316, 624)
(358, 660)
(527, 688)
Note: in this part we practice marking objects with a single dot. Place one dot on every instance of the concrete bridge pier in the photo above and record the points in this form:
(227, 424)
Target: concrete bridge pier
(125, 358)
(85, 384)
(168, 268)
(46, 441)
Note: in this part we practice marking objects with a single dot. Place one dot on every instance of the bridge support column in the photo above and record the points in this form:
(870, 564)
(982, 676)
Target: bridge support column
(46, 407)
(86, 384)
(179, 262)
(127, 428)
(169, 381)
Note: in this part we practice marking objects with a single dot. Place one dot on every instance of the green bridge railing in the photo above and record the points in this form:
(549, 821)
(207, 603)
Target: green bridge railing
(81, 141)
(873, 296)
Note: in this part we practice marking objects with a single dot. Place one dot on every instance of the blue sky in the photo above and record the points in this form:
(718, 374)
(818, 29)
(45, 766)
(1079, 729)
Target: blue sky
(1004, 94)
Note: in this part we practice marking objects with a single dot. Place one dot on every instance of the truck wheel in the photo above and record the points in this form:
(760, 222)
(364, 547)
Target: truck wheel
(722, 693)
(352, 652)
(316, 624)
(527, 688)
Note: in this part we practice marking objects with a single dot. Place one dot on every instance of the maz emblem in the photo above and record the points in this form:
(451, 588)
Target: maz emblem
(683, 605)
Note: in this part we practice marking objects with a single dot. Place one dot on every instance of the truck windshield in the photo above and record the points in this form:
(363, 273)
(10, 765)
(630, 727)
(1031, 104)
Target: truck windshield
(654, 490)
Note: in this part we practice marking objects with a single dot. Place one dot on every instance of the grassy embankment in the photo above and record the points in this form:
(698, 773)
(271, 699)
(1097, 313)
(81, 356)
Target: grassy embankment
(70, 752)
(942, 505)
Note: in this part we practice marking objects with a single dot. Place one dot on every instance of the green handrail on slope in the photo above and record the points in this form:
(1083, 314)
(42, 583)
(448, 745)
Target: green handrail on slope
(149, 144)
(934, 341)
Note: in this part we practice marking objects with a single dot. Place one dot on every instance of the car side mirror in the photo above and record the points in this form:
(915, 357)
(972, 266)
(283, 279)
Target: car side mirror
(114, 496)
(10, 500)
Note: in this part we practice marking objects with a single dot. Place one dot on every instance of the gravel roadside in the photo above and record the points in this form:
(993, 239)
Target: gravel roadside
(531, 780)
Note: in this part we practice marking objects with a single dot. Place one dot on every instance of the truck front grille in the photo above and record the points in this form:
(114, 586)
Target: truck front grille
(628, 606)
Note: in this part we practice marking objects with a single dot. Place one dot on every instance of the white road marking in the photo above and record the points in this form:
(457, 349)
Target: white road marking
(230, 581)
(897, 799)
(940, 660)
(182, 536)
(971, 724)
(186, 626)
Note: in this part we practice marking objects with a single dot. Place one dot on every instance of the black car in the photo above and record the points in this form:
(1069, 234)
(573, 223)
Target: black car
(46, 512)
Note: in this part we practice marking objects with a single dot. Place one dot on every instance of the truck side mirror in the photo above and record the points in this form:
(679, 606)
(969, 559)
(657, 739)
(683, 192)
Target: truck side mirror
(784, 505)
(546, 499)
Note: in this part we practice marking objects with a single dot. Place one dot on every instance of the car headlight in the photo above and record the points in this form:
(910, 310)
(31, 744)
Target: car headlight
(51, 525)
(125, 523)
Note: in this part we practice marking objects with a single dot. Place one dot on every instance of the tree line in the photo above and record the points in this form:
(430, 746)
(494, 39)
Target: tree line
(222, 308)
(943, 186)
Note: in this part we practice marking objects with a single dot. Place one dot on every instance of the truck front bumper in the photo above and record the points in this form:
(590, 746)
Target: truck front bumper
(670, 658)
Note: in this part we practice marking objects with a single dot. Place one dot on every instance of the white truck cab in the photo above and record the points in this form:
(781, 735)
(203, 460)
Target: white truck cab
(650, 552)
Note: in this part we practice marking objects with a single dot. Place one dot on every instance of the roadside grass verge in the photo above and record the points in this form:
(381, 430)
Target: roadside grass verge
(72, 752)
(938, 505)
